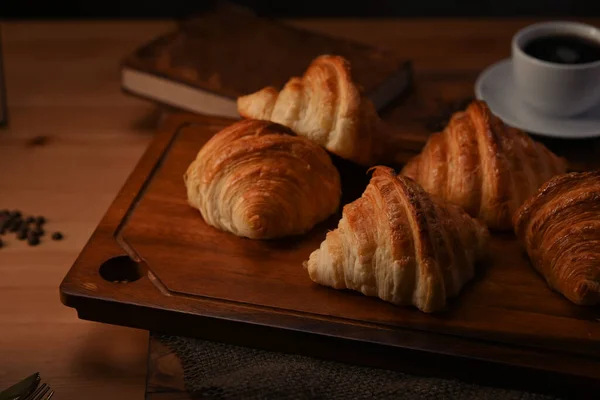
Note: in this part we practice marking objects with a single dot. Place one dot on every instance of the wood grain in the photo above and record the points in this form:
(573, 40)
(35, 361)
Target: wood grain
(71, 141)
(199, 281)
(191, 258)
(165, 373)
(447, 57)
(62, 84)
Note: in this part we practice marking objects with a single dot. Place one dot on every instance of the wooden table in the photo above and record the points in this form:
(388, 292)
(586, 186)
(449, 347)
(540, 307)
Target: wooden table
(73, 138)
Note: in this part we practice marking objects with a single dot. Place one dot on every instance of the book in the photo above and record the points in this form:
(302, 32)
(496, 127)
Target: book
(212, 58)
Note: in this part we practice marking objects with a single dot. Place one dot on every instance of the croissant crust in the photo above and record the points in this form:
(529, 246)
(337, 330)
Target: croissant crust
(559, 228)
(326, 106)
(257, 179)
(400, 244)
(484, 166)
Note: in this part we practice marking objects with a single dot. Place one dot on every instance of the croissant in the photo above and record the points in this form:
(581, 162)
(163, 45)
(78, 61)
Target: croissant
(484, 166)
(559, 228)
(257, 179)
(400, 244)
(326, 106)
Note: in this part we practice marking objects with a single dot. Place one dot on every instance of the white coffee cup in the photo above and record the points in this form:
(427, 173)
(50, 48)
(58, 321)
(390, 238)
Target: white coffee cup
(562, 90)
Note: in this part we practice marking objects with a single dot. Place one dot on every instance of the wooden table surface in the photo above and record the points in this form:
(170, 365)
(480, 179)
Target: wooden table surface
(73, 137)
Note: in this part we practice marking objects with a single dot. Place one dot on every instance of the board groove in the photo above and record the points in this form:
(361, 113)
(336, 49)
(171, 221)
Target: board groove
(252, 284)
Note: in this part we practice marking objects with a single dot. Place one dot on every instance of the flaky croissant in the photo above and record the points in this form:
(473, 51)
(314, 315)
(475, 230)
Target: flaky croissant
(559, 227)
(257, 179)
(484, 166)
(326, 106)
(400, 244)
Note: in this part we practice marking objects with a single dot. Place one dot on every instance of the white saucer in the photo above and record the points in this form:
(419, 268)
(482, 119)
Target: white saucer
(495, 87)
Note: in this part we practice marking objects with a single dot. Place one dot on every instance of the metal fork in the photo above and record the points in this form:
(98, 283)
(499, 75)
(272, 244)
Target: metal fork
(43, 392)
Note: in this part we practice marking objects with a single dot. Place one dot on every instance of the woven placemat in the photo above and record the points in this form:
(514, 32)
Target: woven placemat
(215, 370)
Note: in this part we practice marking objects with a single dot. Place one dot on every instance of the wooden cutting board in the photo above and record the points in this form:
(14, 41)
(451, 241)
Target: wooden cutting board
(153, 263)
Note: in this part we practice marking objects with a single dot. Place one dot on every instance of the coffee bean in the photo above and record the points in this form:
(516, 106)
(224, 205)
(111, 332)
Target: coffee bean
(28, 228)
(14, 224)
(33, 240)
(23, 234)
(4, 224)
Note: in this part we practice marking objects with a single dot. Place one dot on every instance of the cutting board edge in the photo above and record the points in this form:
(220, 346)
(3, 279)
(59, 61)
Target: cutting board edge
(88, 307)
(463, 358)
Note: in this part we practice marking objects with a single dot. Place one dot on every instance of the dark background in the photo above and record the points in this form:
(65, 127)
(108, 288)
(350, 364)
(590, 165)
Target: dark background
(301, 8)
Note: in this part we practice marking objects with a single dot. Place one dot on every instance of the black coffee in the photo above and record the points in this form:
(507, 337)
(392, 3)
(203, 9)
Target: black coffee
(564, 49)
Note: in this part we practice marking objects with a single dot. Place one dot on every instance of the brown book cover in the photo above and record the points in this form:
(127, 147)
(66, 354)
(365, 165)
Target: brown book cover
(213, 58)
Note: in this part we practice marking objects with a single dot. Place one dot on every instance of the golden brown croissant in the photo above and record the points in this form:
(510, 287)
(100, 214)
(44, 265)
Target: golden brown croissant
(484, 166)
(257, 179)
(560, 229)
(400, 244)
(326, 106)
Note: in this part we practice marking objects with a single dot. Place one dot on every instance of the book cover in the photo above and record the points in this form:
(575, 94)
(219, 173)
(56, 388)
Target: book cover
(226, 52)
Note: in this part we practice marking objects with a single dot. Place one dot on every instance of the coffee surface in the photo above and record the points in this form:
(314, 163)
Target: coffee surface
(564, 49)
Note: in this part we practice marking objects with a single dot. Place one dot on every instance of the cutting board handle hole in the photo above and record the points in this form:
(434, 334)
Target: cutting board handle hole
(120, 269)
